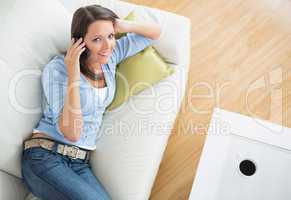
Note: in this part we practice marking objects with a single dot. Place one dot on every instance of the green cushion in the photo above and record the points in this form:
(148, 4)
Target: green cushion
(138, 72)
(130, 17)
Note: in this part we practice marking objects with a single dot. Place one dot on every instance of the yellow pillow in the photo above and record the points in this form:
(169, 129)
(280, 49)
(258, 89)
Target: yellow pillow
(130, 17)
(138, 72)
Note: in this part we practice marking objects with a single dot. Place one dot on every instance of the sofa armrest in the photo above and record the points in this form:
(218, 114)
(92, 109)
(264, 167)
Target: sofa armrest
(11, 187)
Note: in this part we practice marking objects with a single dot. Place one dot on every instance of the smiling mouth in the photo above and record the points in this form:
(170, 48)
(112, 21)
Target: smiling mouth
(104, 54)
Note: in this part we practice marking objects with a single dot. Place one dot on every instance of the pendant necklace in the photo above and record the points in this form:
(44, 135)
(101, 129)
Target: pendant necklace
(93, 76)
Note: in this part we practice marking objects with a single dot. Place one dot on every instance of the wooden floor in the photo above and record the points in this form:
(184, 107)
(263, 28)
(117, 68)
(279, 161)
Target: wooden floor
(240, 61)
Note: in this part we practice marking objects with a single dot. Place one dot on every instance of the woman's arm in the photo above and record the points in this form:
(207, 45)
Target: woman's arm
(149, 30)
(71, 119)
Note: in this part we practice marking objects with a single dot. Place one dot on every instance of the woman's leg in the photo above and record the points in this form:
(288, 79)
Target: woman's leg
(48, 176)
(84, 170)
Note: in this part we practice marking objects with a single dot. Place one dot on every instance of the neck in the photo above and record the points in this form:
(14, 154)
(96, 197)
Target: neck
(94, 67)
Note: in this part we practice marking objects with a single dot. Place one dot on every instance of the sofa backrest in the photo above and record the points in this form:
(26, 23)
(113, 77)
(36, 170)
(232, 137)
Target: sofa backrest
(31, 33)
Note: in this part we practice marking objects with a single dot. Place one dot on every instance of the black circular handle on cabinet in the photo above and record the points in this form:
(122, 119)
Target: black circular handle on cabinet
(247, 167)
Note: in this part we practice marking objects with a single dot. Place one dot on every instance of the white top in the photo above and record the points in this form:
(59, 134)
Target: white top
(101, 93)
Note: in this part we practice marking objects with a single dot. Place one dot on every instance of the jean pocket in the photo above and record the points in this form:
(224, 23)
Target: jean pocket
(40, 160)
(38, 154)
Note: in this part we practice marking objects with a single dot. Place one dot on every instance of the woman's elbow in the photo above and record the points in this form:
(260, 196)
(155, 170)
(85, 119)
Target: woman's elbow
(72, 134)
(73, 138)
(157, 32)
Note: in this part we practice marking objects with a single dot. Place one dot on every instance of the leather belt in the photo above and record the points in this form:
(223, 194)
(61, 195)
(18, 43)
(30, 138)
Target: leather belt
(71, 151)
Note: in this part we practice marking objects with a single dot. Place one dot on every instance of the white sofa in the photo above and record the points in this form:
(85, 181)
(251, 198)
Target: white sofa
(134, 136)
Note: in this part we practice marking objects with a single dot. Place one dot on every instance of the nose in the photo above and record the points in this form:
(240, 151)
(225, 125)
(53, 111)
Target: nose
(106, 44)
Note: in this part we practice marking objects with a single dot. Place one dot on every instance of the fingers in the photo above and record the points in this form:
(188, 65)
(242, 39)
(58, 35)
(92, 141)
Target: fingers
(77, 43)
(82, 50)
(81, 45)
(76, 48)
(74, 44)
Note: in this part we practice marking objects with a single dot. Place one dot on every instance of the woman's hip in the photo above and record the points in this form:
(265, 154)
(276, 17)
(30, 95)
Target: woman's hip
(49, 175)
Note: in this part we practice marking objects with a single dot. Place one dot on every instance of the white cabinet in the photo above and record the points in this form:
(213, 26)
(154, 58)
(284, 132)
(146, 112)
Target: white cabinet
(244, 158)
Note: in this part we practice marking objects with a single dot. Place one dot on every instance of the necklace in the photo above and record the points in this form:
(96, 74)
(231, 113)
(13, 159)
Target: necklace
(93, 76)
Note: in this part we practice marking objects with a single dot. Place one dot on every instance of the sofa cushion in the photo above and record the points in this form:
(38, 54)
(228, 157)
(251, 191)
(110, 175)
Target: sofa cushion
(31, 33)
(138, 72)
(134, 137)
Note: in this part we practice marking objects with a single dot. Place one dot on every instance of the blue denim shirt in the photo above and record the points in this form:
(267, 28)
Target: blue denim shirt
(54, 85)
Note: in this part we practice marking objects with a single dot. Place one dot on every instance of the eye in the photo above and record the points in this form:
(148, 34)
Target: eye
(111, 36)
(97, 40)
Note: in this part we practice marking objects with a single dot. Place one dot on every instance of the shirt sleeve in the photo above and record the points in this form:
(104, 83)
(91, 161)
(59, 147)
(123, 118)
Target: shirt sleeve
(54, 83)
(129, 45)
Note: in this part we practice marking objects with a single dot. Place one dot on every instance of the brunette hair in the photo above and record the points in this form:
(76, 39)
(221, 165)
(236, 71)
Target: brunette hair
(82, 18)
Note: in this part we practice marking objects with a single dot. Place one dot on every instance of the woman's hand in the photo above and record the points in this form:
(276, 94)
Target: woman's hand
(121, 26)
(147, 29)
(72, 58)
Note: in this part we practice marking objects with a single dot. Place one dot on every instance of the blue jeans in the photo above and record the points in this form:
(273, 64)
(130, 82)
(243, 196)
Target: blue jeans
(52, 176)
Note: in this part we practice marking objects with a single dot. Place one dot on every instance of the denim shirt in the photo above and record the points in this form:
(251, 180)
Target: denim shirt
(54, 85)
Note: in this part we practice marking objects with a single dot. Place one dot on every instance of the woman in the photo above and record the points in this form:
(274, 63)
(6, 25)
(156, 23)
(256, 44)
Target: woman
(77, 88)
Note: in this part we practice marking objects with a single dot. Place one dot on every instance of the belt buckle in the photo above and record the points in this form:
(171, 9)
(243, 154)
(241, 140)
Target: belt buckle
(75, 156)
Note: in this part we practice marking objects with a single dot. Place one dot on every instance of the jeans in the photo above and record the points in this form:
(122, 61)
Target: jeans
(52, 176)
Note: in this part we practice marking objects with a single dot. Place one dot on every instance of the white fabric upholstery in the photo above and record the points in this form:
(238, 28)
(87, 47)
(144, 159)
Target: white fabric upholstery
(11, 187)
(134, 139)
(135, 135)
(28, 27)
(31, 33)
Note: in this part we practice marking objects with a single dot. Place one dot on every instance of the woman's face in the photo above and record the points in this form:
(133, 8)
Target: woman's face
(100, 41)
